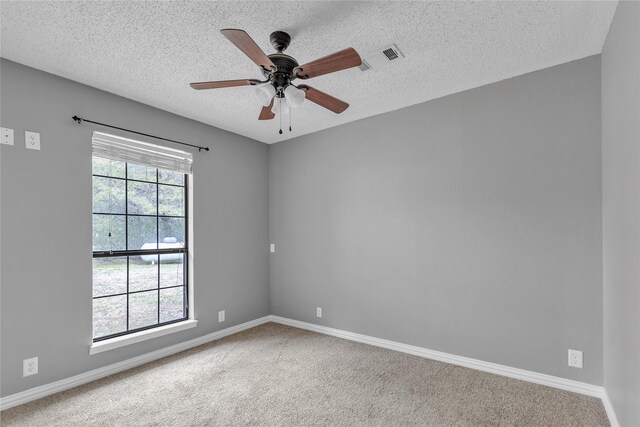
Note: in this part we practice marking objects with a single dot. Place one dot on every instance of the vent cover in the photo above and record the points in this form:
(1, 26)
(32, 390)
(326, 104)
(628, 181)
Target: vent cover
(391, 54)
(381, 57)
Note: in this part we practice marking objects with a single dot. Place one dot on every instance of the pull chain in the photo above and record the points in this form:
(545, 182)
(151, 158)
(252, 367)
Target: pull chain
(280, 114)
(290, 118)
(110, 208)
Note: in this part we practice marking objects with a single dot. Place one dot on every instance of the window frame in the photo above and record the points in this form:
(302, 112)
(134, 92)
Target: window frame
(159, 328)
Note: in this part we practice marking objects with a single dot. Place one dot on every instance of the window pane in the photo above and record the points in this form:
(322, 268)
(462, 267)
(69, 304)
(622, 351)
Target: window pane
(108, 167)
(109, 316)
(170, 177)
(141, 198)
(142, 232)
(144, 207)
(171, 200)
(171, 270)
(143, 272)
(141, 172)
(143, 309)
(172, 230)
(109, 276)
(102, 226)
(108, 195)
(171, 304)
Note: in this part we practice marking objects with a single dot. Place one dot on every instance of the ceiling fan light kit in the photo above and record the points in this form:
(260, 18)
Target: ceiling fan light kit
(281, 106)
(265, 93)
(294, 96)
(280, 70)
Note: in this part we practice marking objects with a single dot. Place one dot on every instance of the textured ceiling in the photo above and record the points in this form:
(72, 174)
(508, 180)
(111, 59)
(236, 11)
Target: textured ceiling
(151, 51)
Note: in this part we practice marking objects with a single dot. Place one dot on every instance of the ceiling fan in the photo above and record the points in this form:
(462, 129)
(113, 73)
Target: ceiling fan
(280, 70)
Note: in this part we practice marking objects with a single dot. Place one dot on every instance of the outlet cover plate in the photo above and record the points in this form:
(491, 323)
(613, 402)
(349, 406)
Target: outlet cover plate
(319, 311)
(32, 140)
(6, 136)
(29, 366)
(221, 316)
(575, 358)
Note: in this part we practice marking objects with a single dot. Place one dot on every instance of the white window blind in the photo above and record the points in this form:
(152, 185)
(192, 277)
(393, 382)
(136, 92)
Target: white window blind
(132, 151)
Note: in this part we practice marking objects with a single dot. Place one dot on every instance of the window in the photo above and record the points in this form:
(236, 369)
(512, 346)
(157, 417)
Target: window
(140, 236)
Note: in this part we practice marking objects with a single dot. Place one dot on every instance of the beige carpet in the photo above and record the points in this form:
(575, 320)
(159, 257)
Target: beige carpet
(276, 375)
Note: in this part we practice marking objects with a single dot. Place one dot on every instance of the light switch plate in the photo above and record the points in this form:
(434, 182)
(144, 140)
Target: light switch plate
(32, 140)
(272, 248)
(6, 136)
(221, 316)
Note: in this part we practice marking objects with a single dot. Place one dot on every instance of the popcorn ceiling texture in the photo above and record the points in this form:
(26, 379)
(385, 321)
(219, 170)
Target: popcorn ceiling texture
(151, 51)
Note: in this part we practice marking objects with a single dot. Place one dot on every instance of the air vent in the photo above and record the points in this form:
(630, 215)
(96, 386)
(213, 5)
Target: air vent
(381, 57)
(391, 54)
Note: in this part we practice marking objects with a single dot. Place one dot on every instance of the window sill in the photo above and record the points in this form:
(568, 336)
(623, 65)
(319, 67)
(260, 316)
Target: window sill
(101, 346)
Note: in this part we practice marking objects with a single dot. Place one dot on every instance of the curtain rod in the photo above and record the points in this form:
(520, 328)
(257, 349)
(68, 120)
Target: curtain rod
(80, 120)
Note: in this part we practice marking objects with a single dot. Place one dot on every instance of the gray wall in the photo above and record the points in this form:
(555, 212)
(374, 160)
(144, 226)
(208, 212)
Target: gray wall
(470, 224)
(46, 225)
(621, 211)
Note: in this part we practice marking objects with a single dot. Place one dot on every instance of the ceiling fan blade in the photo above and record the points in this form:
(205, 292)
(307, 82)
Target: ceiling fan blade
(324, 100)
(245, 43)
(265, 113)
(341, 60)
(223, 83)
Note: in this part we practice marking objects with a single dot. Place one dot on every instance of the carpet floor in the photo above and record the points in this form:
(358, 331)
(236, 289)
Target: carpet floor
(275, 375)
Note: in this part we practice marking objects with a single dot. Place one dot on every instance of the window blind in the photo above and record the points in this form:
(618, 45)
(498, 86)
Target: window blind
(132, 151)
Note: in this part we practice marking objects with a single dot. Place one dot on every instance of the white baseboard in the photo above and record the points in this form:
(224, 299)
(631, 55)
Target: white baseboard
(494, 368)
(95, 374)
(608, 406)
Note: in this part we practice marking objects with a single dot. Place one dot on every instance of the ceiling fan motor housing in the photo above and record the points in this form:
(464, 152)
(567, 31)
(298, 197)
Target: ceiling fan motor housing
(283, 73)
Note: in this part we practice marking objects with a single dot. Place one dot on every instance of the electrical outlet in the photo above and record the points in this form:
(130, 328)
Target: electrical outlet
(272, 248)
(575, 358)
(32, 140)
(319, 311)
(29, 366)
(6, 136)
(221, 316)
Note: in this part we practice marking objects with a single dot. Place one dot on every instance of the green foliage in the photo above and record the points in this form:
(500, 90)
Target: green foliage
(141, 198)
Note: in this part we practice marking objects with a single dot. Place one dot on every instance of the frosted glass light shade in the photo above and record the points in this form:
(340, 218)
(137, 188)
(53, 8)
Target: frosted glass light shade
(294, 96)
(265, 93)
(276, 106)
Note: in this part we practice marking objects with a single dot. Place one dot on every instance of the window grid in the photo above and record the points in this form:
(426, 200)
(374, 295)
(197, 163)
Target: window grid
(136, 292)
(128, 253)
